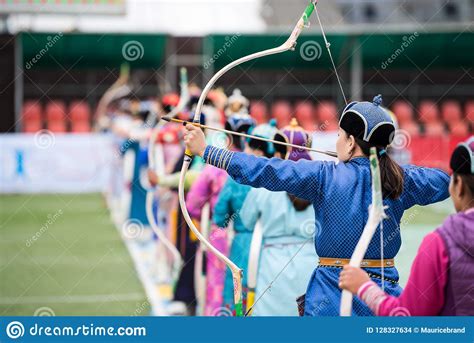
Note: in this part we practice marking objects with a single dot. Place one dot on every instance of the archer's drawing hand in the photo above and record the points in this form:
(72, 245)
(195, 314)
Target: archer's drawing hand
(195, 140)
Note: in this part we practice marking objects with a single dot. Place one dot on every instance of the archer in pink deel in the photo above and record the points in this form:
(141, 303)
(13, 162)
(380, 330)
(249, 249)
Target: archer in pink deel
(206, 189)
(442, 274)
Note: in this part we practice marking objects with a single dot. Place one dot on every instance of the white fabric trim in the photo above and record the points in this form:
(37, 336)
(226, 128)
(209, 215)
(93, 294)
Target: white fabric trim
(376, 126)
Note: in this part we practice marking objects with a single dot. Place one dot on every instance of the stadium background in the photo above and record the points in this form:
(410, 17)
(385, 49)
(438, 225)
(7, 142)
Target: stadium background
(59, 57)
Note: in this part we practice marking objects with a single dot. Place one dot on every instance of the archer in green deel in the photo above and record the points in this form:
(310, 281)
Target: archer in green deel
(341, 193)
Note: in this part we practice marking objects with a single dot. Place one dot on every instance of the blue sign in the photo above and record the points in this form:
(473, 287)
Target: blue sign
(248, 330)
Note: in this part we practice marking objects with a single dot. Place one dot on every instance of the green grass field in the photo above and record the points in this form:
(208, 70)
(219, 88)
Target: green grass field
(416, 223)
(78, 264)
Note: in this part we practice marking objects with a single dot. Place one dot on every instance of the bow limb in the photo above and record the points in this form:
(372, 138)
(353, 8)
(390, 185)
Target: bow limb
(254, 256)
(236, 271)
(199, 271)
(183, 100)
(177, 259)
(376, 216)
(158, 166)
(119, 88)
(288, 45)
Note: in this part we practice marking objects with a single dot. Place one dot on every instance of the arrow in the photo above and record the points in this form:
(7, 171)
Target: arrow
(229, 132)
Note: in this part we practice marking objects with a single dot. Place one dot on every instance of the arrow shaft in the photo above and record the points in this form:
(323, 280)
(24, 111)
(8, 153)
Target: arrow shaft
(245, 135)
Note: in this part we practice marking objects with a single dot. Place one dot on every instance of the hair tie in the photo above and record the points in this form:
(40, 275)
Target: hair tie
(382, 152)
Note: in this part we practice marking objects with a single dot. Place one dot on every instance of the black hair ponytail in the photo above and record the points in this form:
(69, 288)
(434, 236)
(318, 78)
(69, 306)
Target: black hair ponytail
(391, 174)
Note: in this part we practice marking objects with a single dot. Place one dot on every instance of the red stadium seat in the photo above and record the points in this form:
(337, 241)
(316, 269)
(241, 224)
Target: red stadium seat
(327, 117)
(32, 117)
(403, 111)
(459, 128)
(80, 114)
(282, 112)
(56, 116)
(411, 127)
(331, 125)
(435, 128)
(259, 111)
(451, 111)
(469, 111)
(304, 114)
(428, 112)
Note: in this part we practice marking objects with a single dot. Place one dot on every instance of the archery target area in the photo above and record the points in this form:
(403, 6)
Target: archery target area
(223, 158)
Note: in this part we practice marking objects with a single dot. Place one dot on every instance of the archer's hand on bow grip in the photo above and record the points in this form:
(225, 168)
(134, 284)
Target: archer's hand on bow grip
(195, 141)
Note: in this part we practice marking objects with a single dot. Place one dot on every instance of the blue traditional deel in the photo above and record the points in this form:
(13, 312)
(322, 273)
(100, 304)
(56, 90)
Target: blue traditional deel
(369, 122)
(298, 136)
(462, 159)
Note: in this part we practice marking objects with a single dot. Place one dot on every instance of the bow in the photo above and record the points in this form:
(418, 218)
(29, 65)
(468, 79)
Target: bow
(159, 167)
(118, 89)
(376, 217)
(288, 45)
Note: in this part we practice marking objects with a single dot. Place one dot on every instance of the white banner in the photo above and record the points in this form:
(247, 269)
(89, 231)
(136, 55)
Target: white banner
(324, 141)
(55, 163)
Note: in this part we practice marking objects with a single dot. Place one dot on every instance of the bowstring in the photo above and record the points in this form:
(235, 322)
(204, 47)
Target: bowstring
(328, 47)
(382, 257)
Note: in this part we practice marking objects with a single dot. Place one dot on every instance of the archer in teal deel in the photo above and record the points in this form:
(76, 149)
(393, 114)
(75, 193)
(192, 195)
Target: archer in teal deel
(283, 224)
(232, 197)
(340, 194)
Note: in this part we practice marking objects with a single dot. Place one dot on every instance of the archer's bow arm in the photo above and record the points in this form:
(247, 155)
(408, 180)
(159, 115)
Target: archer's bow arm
(300, 178)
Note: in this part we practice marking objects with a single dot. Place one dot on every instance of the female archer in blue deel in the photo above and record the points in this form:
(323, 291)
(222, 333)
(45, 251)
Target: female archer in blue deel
(341, 194)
